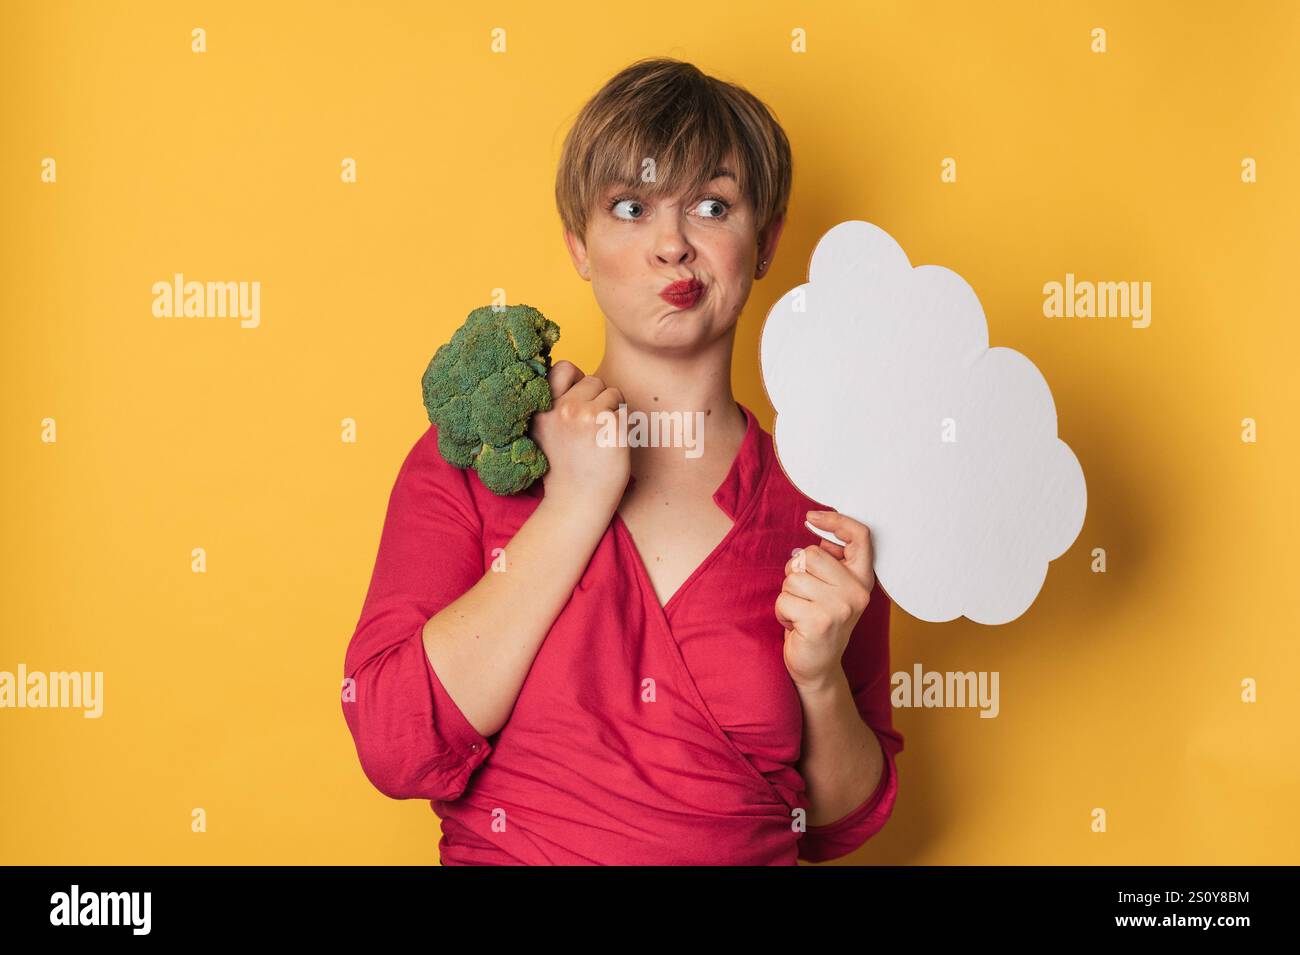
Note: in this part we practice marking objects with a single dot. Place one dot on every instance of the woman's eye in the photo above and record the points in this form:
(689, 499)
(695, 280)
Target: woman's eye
(716, 208)
(626, 205)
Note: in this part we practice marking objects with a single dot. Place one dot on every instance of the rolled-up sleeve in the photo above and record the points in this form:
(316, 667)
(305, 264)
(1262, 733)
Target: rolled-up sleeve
(866, 664)
(412, 739)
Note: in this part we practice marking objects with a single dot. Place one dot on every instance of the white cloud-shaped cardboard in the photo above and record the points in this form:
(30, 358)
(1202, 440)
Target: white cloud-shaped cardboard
(892, 409)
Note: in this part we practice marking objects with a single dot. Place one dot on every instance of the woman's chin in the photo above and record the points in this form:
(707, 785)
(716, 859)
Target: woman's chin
(669, 329)
(679, 341)
(680, 321)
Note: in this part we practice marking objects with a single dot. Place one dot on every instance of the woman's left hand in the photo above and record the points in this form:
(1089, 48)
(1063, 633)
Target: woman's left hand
(826, 590)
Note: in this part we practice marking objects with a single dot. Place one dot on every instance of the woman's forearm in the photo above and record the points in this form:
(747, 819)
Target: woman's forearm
(483, 644)
(841, 760)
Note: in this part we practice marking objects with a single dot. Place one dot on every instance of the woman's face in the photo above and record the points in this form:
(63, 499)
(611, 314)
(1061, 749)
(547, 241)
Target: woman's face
(636, 247)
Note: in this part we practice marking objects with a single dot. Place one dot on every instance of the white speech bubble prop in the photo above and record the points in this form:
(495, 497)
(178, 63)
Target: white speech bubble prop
(892, 409)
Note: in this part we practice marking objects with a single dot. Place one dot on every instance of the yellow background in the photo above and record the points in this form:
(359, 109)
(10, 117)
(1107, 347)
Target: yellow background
(1119, 691)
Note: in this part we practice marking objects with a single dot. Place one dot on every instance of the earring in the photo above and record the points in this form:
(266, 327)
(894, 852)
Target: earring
(762, 265)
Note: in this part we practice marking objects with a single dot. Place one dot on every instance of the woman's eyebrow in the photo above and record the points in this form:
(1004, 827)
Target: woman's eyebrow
(640, 187)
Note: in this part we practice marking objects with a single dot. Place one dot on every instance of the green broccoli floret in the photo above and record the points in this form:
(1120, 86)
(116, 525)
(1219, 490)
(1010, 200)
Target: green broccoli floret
(482, 387)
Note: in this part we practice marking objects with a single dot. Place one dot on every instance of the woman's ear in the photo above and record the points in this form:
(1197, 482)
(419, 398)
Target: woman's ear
(578, 253)
(767, 242)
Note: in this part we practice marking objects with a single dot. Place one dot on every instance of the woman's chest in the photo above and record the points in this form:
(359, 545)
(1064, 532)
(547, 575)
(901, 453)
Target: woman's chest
(672, 537)
(713, 661)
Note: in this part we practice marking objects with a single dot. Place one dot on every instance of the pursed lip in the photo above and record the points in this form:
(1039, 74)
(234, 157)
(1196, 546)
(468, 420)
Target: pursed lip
(683, 294)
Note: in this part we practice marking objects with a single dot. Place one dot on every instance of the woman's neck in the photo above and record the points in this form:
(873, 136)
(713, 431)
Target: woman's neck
(697, 386)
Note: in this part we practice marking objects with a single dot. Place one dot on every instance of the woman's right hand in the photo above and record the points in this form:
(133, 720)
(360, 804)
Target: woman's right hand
(581, 471)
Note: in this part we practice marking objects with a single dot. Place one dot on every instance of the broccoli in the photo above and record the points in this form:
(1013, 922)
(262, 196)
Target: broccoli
(482, 387)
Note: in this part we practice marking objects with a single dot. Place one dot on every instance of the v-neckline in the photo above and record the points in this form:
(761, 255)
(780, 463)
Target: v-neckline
(643, 574)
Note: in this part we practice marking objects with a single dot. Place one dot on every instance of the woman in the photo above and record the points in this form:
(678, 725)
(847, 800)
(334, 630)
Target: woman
(634, 661)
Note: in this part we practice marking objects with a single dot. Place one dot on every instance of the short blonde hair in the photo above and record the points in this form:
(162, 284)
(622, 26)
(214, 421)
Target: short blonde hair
(688, 123)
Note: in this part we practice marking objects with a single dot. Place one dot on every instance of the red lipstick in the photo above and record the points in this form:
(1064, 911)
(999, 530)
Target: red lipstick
(682, 294)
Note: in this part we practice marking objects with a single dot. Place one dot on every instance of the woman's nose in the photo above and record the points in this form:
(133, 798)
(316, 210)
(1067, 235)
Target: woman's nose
(671, 245)
(673, 249)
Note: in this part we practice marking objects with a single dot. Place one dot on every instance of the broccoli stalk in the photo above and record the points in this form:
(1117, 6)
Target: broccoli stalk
(482, 387)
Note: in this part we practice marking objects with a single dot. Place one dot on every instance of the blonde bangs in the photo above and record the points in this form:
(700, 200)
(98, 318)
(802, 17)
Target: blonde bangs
(688, 124)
